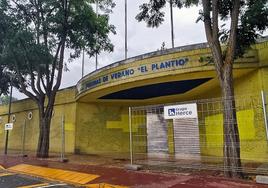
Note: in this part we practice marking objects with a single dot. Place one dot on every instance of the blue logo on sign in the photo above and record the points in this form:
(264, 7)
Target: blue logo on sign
(172, 112)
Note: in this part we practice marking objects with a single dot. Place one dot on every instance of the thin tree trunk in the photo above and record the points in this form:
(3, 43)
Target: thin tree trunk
(45, 114)
(231, 149)
(44, 134)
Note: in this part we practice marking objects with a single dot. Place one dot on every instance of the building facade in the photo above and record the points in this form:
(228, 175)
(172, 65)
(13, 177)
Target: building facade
(96, 110)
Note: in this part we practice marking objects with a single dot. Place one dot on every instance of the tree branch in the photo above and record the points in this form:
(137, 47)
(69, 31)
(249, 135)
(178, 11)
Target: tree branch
(59, 75)
(66, 8)
(22, 83)
(215, 22)
(38, 84)
(207, 19)
(212, 33)
(61, 50)
(44, 85)
(230, 52)
(50, 82)
(32, 76)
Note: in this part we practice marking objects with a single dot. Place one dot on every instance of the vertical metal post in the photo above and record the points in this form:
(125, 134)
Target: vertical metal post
(97, 12)
(9, 111)
(130, 136)
(96, 59)
(83, 62)
(62, 139)
(23, 139)
(172, 23)
(125, 29)
(263, 96)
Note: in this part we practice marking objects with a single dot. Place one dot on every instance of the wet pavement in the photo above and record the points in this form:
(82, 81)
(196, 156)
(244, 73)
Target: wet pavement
(111, 172)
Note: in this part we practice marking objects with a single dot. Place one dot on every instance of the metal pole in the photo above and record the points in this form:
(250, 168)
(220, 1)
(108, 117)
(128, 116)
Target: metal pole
(96, 60)
(263, 96)
(126, 29)
(83, 63)
(23, 139)
(62, 138)
(130, 136)
(97, 12)
(9, 111)
(172, 23)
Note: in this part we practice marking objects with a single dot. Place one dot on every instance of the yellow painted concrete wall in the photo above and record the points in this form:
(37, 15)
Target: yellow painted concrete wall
(102, 129)
(263, 58)
(64, 106)
(254, 145)
(191, 70)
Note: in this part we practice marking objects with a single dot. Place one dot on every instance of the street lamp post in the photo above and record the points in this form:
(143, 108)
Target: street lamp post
(96, 55)
(83, 63)
(9, 113)
(126, 30)
(172, 23)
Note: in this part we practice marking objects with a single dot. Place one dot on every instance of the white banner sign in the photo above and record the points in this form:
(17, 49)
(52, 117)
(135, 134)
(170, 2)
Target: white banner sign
(8, 126)
(181, 111)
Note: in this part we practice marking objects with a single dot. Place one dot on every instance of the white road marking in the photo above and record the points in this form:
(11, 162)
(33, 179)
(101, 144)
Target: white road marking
(54, 185)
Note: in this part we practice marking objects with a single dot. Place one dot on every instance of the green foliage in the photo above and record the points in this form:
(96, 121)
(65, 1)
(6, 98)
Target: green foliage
(105, 5)
(206, 60)
(253, 19)
(4, 100)
(152, 13)
(33, 33)
(4, 77)
(34, 37)
(4, 81)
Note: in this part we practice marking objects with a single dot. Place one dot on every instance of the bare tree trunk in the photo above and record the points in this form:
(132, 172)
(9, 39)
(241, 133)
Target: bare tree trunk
(231, 149)
(44, 134)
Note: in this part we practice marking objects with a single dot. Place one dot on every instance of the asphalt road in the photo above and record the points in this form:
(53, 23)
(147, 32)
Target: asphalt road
(13, 180)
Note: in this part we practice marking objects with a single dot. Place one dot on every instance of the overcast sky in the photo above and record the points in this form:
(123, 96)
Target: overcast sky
(141, 39)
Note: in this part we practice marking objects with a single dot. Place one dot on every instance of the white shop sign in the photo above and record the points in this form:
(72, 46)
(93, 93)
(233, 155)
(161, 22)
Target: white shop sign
(181, 111)
(8, 126)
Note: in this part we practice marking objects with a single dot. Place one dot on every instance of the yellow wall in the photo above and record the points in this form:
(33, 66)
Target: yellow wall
(251, 131)
(102, 129)
(263, 56)
(254, 145)
(191, 70)
(99, 127)
(64, 106)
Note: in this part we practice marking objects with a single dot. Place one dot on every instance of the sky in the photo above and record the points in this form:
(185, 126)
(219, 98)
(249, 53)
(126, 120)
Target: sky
(141, 39)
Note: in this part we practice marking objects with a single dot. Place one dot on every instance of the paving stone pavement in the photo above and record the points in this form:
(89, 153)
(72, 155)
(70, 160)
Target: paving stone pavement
(13, 180)
(110, 175)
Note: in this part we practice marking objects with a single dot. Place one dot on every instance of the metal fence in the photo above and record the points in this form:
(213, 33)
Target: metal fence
(197, 143)
(23, 138)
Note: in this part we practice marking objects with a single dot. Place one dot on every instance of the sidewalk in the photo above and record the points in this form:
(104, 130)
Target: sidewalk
(111, 171)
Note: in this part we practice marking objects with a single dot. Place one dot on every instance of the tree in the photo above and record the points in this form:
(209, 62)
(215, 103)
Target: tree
(247, 18)
(4, 100)
(4, 77)
(4, 81)
(36, 36)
